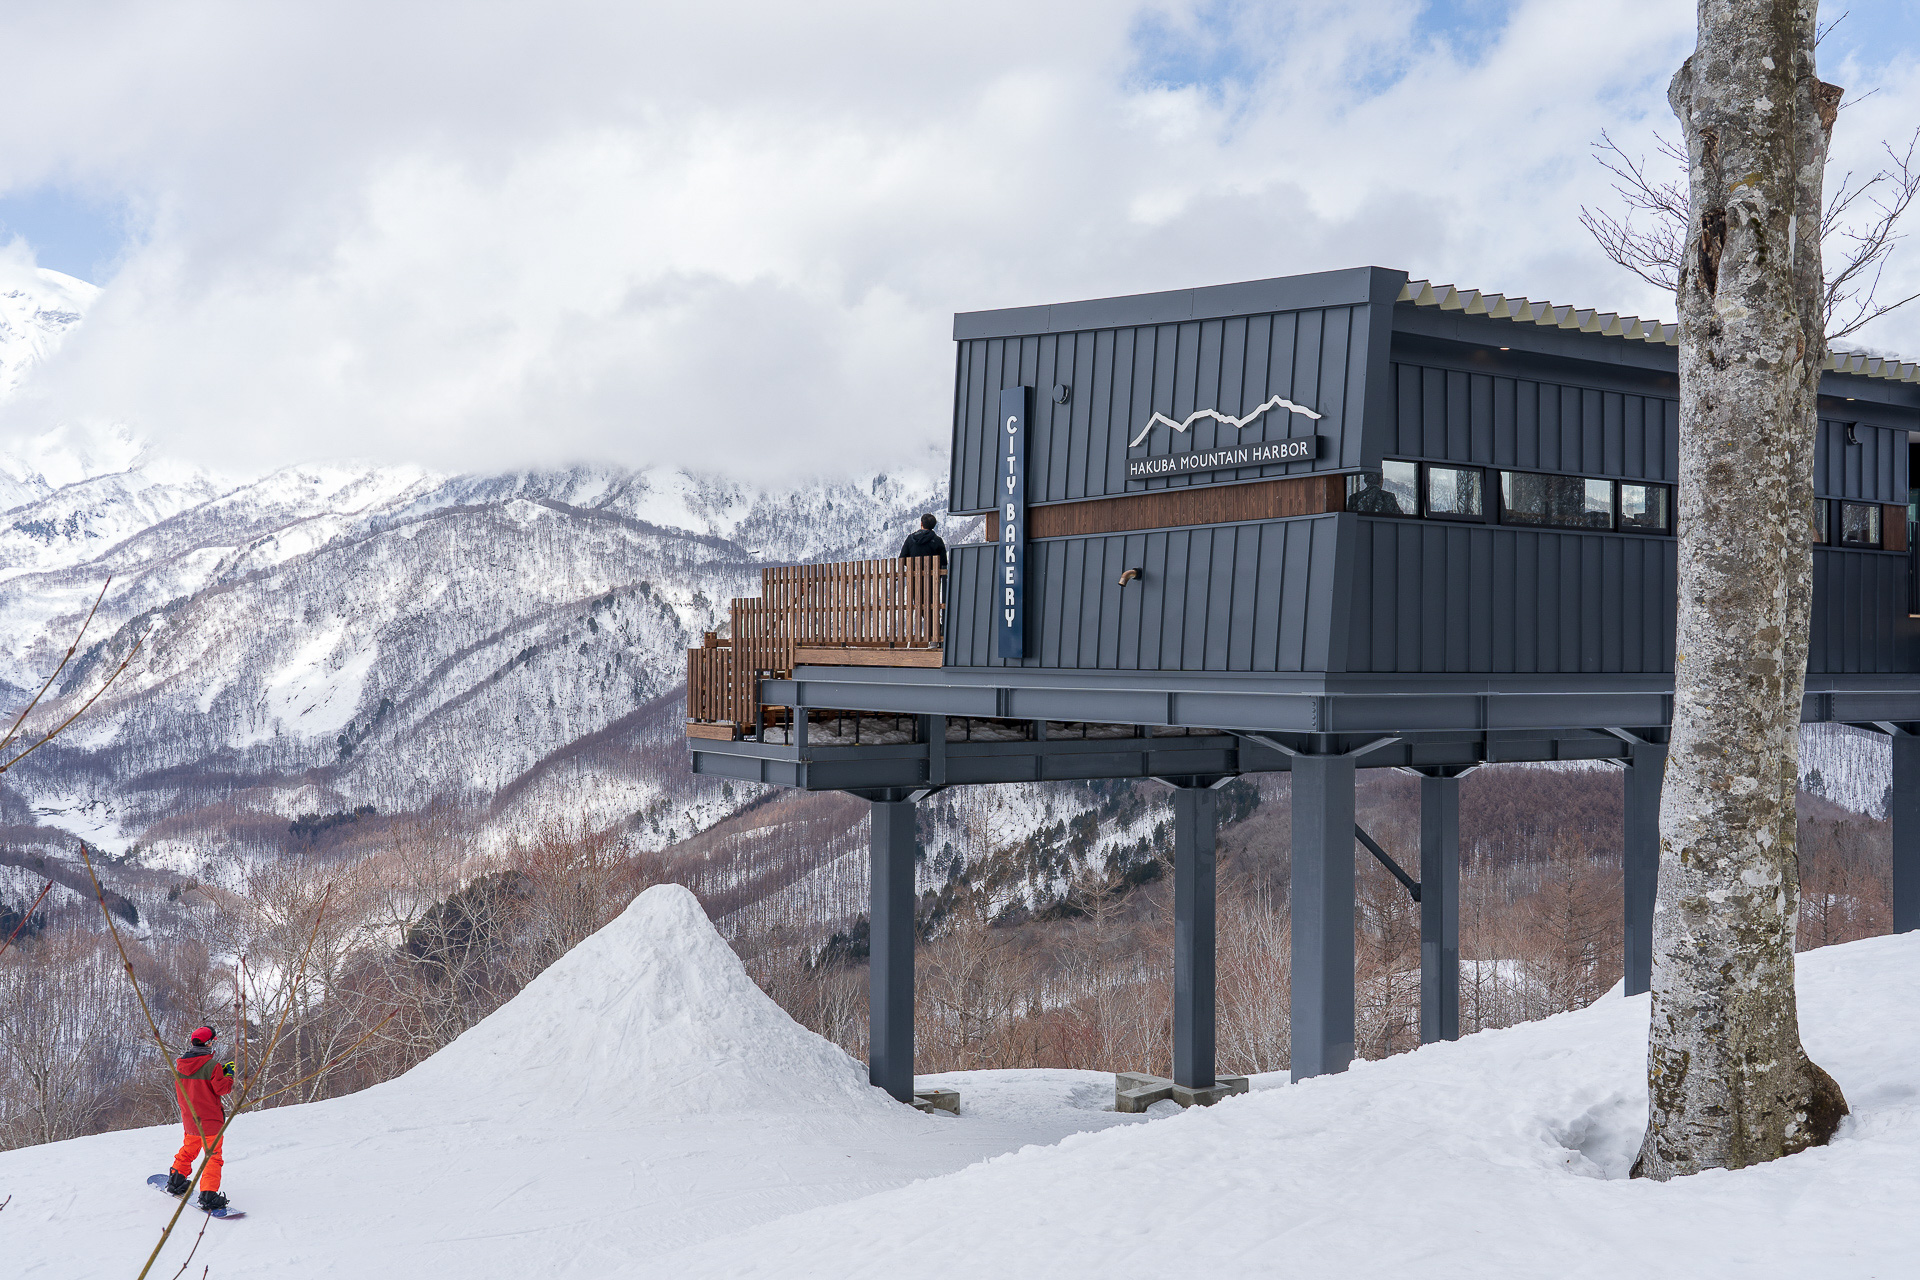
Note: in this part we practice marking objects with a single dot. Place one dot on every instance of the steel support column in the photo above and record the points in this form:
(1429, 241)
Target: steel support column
(890, 974)
(1439, 909)
(1905, 813)
(1322, 908)
(1195, 821)
(1640, 854)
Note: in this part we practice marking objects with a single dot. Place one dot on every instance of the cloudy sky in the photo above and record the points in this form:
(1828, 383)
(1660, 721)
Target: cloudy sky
(733, 235)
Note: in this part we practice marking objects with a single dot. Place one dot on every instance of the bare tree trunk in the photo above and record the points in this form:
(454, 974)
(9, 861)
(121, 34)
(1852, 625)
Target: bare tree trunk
(1729, 1083)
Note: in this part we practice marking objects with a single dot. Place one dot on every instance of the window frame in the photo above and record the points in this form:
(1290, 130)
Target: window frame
(1613, 503)
(1620, 511)
(1879, 542)
(1426, 494)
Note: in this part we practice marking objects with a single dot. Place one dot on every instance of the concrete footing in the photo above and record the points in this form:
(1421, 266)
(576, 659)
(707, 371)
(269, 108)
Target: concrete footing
(931, 1100)
(1135, 1091)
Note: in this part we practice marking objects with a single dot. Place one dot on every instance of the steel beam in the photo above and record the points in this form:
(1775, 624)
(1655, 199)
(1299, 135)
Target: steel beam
(891, 933)
(1439, 909)
(1196, 813)
(1322, 906)
(1905, 812)
(1640, 856)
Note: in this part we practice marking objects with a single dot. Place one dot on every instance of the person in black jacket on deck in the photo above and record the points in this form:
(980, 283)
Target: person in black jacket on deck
(924, 542)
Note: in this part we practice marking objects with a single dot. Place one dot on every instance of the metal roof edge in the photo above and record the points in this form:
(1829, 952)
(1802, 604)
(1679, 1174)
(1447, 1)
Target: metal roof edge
(1494, 306)
(1352, 286)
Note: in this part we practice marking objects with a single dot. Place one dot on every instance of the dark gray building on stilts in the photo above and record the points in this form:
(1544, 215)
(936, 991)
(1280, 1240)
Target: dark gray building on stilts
(1315, 524)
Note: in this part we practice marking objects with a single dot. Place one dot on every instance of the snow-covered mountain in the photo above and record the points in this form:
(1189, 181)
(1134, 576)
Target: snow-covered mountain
(37, 309)
(341, 635)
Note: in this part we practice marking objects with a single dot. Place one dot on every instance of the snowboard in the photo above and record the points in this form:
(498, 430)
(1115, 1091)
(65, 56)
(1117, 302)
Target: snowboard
(159, 1183)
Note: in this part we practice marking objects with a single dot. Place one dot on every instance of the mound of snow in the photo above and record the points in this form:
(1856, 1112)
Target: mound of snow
(1504, 1154)
(653, 1013)
(640, 1096)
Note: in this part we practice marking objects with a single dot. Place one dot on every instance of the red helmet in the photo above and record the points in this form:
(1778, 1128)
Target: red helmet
(205, 1036)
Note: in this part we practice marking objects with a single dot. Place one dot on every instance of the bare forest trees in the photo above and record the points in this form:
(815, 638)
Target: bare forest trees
(1729, 1082)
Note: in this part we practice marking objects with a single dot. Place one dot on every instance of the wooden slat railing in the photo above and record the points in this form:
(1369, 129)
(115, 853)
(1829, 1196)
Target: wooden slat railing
(879, 604)
(859, 604)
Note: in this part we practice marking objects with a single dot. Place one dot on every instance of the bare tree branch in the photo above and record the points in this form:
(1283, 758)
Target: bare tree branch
(1859, 226)
(60, 728)
(26, 916)
(73, 648)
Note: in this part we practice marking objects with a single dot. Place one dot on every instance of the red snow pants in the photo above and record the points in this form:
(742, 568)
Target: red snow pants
(183, 1163)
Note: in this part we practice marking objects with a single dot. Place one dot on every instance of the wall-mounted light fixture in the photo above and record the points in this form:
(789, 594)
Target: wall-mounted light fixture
(1130, 575)
(1851, 437)
(1061, 391)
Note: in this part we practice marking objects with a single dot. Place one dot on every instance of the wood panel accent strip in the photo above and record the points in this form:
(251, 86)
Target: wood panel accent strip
(1893, 526)
(1174, 508)
(835, 657)
(699, 729)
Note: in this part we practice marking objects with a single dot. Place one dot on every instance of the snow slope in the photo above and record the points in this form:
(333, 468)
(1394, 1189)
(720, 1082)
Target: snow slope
(639, 1096)
(643, 1110)
(1504, 1154)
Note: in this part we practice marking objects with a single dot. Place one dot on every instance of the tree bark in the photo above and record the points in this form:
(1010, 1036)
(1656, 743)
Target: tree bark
(1729, 1083)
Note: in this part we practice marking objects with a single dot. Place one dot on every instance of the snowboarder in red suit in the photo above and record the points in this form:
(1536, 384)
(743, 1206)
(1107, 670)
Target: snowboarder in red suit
(199, 1083)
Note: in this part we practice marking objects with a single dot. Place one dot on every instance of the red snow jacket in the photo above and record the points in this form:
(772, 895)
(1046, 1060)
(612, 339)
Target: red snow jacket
(202, 1083)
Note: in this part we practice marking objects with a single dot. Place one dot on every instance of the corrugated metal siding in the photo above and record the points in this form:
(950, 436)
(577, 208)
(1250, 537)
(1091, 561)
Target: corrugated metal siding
(1435, 597)
(1243, 597)
(1860, 621)
(1121, 377)
(1530, 425)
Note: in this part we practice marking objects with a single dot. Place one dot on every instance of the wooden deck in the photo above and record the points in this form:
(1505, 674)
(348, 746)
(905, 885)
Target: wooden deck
(859, 613)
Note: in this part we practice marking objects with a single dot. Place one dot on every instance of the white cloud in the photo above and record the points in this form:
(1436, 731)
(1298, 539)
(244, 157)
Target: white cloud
(734, 235)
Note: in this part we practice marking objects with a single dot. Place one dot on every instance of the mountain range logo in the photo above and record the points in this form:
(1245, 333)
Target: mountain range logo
(1278, 402)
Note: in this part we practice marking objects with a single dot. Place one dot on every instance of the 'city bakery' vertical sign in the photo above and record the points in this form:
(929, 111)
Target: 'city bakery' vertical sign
(1015, 403)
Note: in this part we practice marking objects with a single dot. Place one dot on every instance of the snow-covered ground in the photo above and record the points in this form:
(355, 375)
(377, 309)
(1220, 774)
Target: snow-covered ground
(642, 1110)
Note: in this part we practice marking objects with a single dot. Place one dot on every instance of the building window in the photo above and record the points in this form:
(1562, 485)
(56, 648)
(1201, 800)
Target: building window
(1859, 524)
(1644, 507)
(1819, 519)
(1393, 490)
(1456, 492)
(1567, 502)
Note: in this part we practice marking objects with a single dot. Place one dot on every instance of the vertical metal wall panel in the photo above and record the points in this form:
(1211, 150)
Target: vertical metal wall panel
(1406, 412)
(1526, 425)
(1410, 622)
(1480, 417)
(1118, 377)
(1243, 573)
(1860, 620)
(1217, 589)
(1874, 470)
(1503, 604)
(1255, 596)
(1633, 437)
(1613, 432)
(1459, 425)
(1506, 422)
(1267, 599)
(1433, 597)
(1593, 433)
